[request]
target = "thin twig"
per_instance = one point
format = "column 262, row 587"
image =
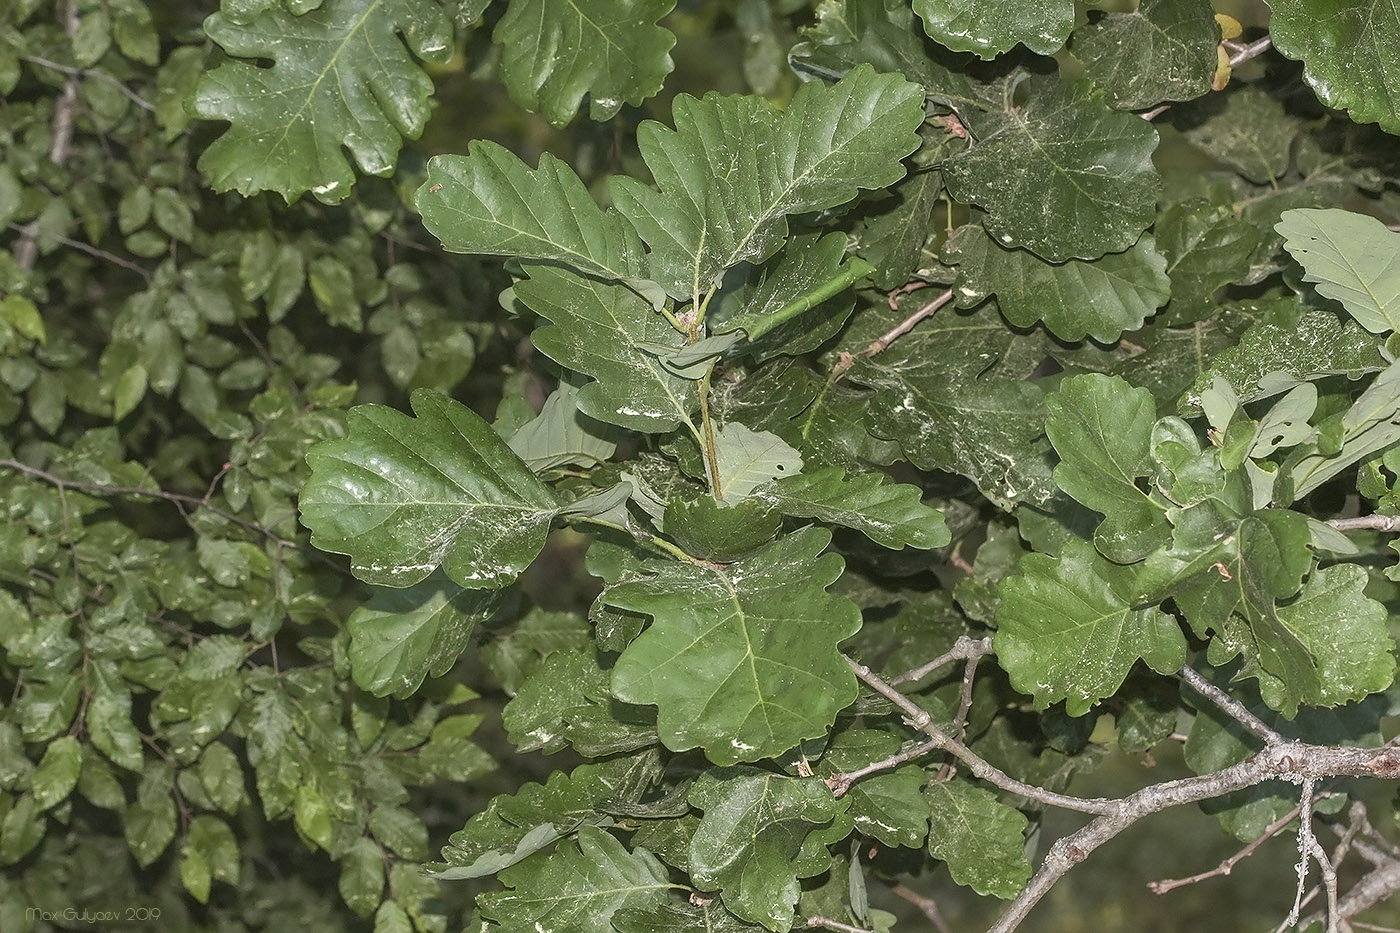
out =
column 1367, row 523
column 1243, row 53
column 177, row 498
column 1306, row 841
column 927, row 905
column 965, row 699
column 964, row 649
column 83, row 247
column 1228, row 704
column 1228, row 865
column 826, row 923
column 841, row 782
column 131, row 95
column 919, row 718
column 846, row 360
column 27, row 248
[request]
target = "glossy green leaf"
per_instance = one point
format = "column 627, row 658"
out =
column 577, row 888
column 1068, row 629
column 1100, row 299
column 740, row 660
column 1345, row 632
column 702, row 917
column 1061, row 174
column 1350, row 54
column 979, row 837
column 403, row 496
column 341, row 77
column 1353, row 258
column 990, row 28
column 610, row 50
column 733, row 168
column 600, row 329
column 721, row 531
column 1101, row 428
column 490, row 202
column 1162, row 51
column 891, row 514
column 57, row 774
column 403, row 635
column 361, row 880
column 749, row 838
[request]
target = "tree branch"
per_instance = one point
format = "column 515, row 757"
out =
column 1228, row 865
column 964, row 649
column 1367, row 523
column 1289, row 760
column 927, row 906
column 1234, row 708
column 919, row 718
column 841, row 782
column 846, row 360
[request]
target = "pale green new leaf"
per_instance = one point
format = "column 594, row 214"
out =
column 403, row 635
column 1062, row 174
column 1350, row 54
column 490, row 202
column 740, row 660
column 980, row 838
column 1067, row 629
column 733, row 168
column 576, row 888
column 600, row 329
column 403, row 496
column 610, row 50
column 1102, row 429
column 1371, row 424
column 748, row 841
column 341, row 77
column 891, row 514
column 1353, row 258
column 747, row 459
column 1100, row 299
column 562, row 435
column 1163, row 50
column 991, row 27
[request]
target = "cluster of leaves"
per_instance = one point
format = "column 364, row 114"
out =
column 1159, row 359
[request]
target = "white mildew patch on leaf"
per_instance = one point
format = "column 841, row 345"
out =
column 404, row 495
column 740, row 660
column 341, row 76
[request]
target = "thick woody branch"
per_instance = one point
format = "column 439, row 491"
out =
column 1367, row 523
column 1296, row 761
column 61, row 138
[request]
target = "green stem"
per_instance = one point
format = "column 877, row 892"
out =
column 711, row 458
column 854, row 271
column 655, row 541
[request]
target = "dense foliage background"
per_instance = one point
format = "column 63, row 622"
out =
column 964, row 416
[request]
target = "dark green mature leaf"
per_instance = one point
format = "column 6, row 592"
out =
column 1350, row 54
column 403, row 635
column 404, row 495
column 1100, row 299
column 1163, row 50
column 1345, row 632
column 490, row 202
column 1061, row 174
column 703, row 917
column 1207, row 247
column 341, row 77
column 721, row 531
column 748, row 841
column 1102, row 429
column 893, row 239
column 577, row 888
column 599, row 329
column 940, row 399
column 610, row 50
column 740, row 660
column 1291, row 344
column 1067, row 629
column 1247, row 130
column 891, row 514
column 733, row 169
column 991, row 27
column 979, row 837
column 57, row 774
column 1353, row 258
